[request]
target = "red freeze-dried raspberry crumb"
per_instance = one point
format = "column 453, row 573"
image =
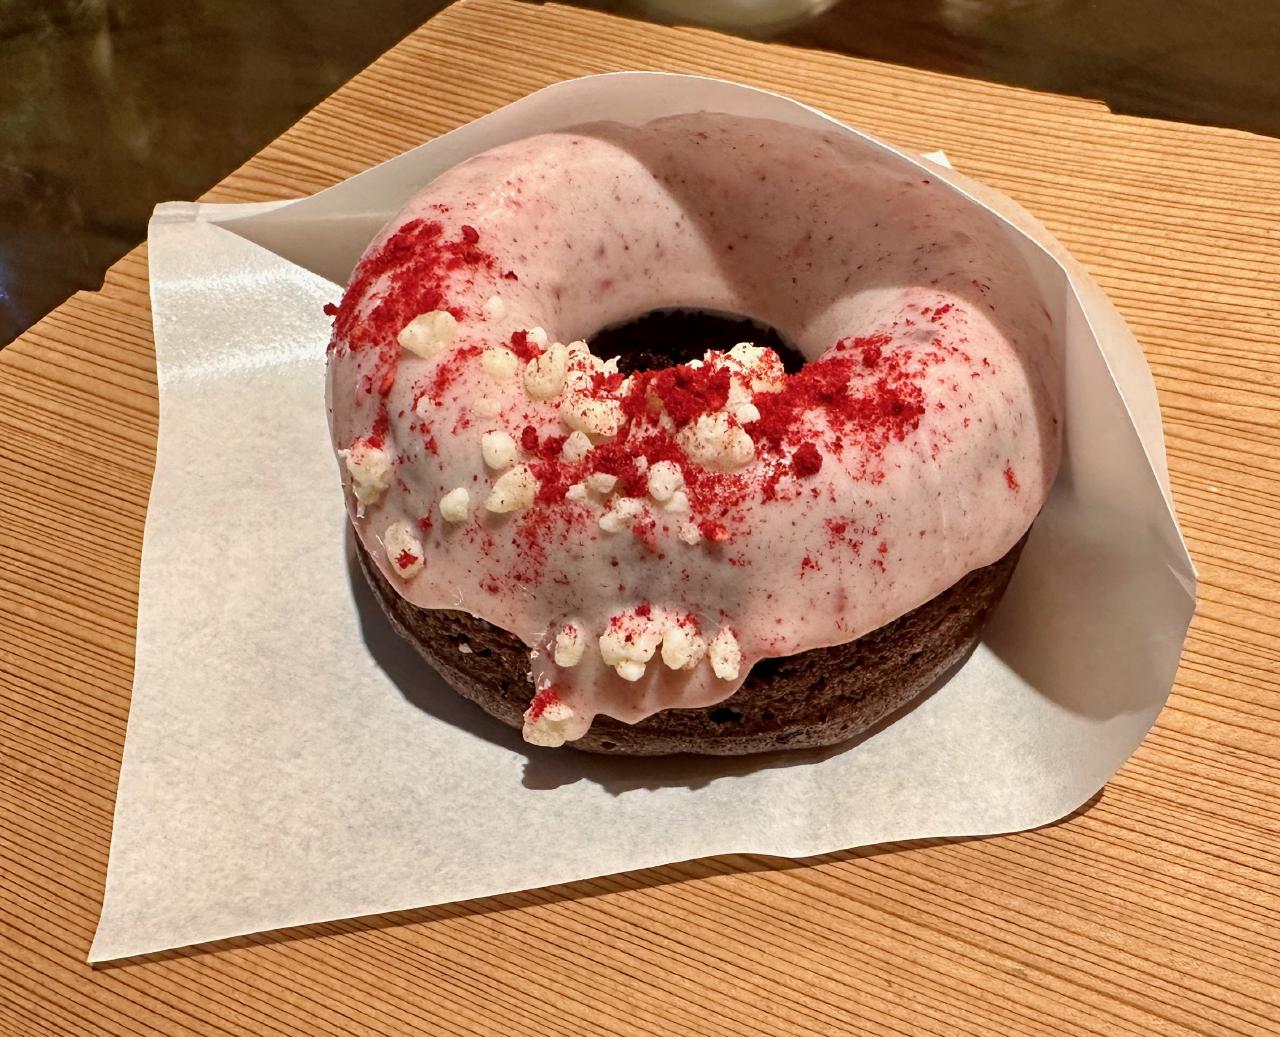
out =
column 1010, row 478
column 330, row 309
column 510, row 275
column 447, row 373
column 542, row 701
column 886, row 410
column 418, row 264
column 529, row 439
column 806, row 460
column 522, row 347
column 470, row 235
column 406, row 558
column 689, row 392
column 716, row 532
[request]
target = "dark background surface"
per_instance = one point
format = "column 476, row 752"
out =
column 110, row 106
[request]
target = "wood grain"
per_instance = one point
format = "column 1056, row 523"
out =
column 1155, row 910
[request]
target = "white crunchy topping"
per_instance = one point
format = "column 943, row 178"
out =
column 370, row 471
column 665, row 479
column 715, row 441
column 550, row 727
column 576, row 492
column 746, row 413
column 678, row 503
column 689, row 533
column 576, row 447
column 570, row 644
column 629, row 644
column 726, row 656
column 484, row 408
column 465, row 649
column 597, row 417
column 620, row 514
column 428, row 333
column 544, row 374
column 585, row 408
column 760, row 367
column 499, row 363
column 404, row 550
column 682, row 648
column 538, row 337
column 456, row 504
column 601, row 482
column 498, row 449
column 514, row 490
column 494, row 308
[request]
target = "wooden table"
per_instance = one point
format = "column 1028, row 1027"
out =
column 1154, row 910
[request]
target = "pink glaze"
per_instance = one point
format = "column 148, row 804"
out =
column 918, row 444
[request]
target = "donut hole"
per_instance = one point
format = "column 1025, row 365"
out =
column 666, row 337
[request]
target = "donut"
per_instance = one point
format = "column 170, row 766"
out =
column 610, row 534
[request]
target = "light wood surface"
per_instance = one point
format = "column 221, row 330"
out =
column 1155, row 910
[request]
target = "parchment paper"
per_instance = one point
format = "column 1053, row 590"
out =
column 289, row 760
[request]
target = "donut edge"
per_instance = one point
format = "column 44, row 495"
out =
column 818, row 698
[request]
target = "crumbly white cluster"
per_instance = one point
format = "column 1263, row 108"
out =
column 499, row 363
column 682, row 646
column 494, row 308
column 582, row 407
column 629, row 643
column 404, row 550
column 428, row 334
column 726, row 655
column 498, row 450
column 570, row 645
column 752, row 369
column 631, row 640
column 547, row 724
column 514, row 490
column 689, row 533
column 621, row 512
column 455, row 505
column 369, row 468
column 664, row 481
column 544, row 375
column 576, row 447
column 717, row 440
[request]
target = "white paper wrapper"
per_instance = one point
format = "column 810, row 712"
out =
column 289, row 760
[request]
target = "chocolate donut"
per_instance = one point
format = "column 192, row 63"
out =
column 715, row 548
